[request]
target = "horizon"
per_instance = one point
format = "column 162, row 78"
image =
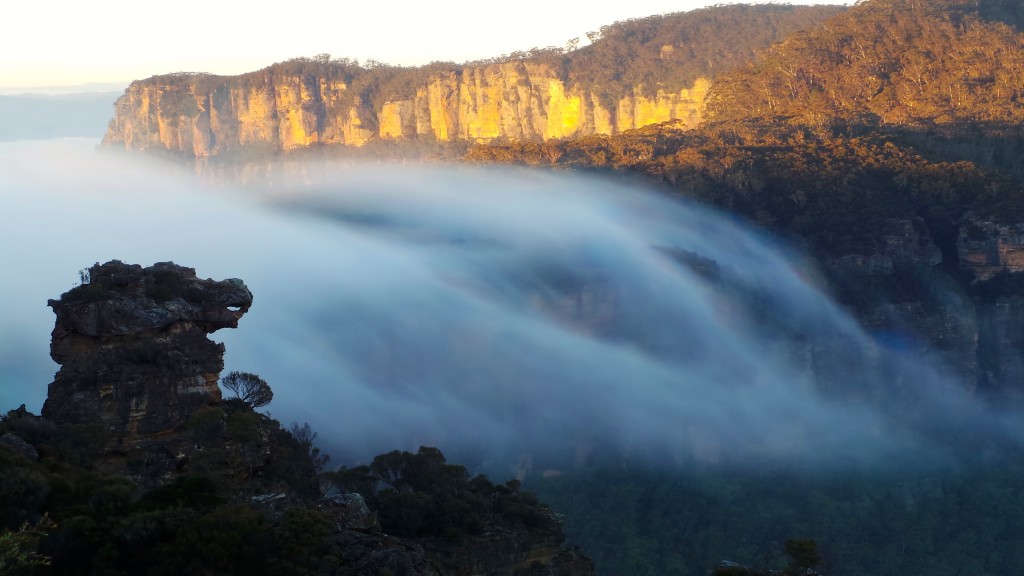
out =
column 74, row 55
column 65, row 90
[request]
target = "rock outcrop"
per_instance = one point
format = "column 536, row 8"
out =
column 139, row 381
column 134, row 355
column 962, row 305
column 274, row 110
column 15, row 443
column 991, row 257
column 985, row 248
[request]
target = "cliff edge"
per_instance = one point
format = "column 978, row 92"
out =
column 634, row 73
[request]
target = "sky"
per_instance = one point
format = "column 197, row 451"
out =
column 70, row 42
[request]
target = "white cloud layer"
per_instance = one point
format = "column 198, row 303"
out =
column 490, row 312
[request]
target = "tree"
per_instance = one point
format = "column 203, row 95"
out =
column 18, row 549
column 249, row 388
column 306, row 437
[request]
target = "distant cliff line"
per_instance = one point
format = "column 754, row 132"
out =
column 284, row 111
column 634, row 74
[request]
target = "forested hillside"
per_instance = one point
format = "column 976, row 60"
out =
column 892, row 109
column 671, row 51
column 831, row 191
column 889, row 62
column 884, row 142
column 647, row 522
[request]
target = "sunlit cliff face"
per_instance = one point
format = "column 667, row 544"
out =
column 499, row 313
column 514, row 100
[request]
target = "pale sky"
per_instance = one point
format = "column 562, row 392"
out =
column 70, row 42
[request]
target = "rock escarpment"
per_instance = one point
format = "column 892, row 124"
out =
column 986, row 249
column 134, row 355
column 635, row 73
column 957, row 298
column 991, row 256
column 279, row 109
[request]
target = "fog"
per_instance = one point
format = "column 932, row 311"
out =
column 46, row 116
column 497, row 314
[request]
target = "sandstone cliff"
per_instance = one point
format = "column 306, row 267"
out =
column 277, row 109
column 964, row 304
column 635, row 73
column 991, row 256
column 133, row 349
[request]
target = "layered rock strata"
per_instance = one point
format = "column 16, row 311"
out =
column 274, row 110
column 132, row 346
column 957, row 299
column 991, row 256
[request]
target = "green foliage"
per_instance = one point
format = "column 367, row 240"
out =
column 244, row 427
column 302, row 543
column 671, row 51
column 425, row 497
column 18, row 549
column 359, row 479
column 888, row 62
column 633, row 520
column 191, row 524
column 831, row 190
column 803, row 556
column 82, row 441
column 185, row 526
column 895, row 109
column 230, row 539
column 207, row 425
column 24, row 490
column 306, row 438
column 384, row 83
column 27, row 426
column 86, row 293
column 294, row 465
column 197, row 492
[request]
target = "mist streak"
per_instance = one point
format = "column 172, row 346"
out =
column 498, row 313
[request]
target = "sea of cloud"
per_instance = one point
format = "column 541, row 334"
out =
column 500, row 314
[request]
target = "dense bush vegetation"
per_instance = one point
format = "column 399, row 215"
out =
column 63, row 515
column 832, row 190
column 889, row 62
column 644, row 521
column 422, row 496
column 671, row 51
